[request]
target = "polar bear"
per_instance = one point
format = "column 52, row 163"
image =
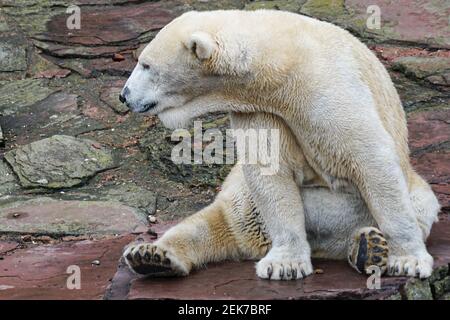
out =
column 345, row 187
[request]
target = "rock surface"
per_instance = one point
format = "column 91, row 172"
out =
column 434, row 69
column 237, row 280
column 41, row 272
column 158, row 145
column 59, row 162
column 13, row 55
column 60, row 114
column 8, row 181
column 21, row 93
column 128, row 194
column 110, row 97
column 59, row 218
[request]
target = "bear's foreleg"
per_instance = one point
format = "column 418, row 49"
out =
column 201, row 238
column 278, row 200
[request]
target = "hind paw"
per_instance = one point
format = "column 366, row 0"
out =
column 413, row 266
column 153, row 259
column 368, row 248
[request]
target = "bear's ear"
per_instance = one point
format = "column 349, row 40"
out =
column 202, row 45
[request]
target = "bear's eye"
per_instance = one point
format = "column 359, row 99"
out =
column 145, row 66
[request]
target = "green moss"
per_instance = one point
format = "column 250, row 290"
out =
column 285, row 5
column 324, row 9
column 416, row 289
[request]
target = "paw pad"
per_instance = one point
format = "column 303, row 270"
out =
column 150, row 259
column 368, row 248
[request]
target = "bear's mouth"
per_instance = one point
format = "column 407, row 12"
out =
column 148, row 107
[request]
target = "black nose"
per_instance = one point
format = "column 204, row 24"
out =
column 123, row 95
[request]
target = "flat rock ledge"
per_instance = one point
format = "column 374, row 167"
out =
column 59, row 162
column 57, row 218
column 39, row 271
column 333, row 280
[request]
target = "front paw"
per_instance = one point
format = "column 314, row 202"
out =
column 153, row 259
column 420, row 265
column 285, row 268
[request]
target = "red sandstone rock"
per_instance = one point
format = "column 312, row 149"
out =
column 428, row 128
column 435, row 168
column 237, row 280
column 118, row 57
column 108, row 26
column 41, row 272
column 49, row 74
column 418, row 21
column 7, row 246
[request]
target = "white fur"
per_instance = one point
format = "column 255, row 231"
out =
column 202, row 44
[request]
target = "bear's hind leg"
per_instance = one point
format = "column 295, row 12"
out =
column 201, row 238
column 368, row 248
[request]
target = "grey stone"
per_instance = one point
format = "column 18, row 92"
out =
column 445, row 297
column 439, row 273
column 59, row 113
column 441, row 287
column 111, row 97
column 59, row 161
column 47, row 216
column 129, row 194
column 416, row 289
column 395, row 296
column 13, row 55
column 8, row 181
column 434, row 69
column 133, row 196
column 18, row 94
column 3, row 24
column 158, row 146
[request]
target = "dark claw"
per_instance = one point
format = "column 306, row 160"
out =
column 129, row 257
column 167, row 261
column 157, row 258
column 303, row 273
column 397, row 269
column 294, row 273
column 269, row 271
column 406, row 270
column 137, row 257
column 390, row 270
column 288, row 273
column 281, row 272
column 147, row 256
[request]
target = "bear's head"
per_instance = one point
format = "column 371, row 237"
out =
column 192, row 67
